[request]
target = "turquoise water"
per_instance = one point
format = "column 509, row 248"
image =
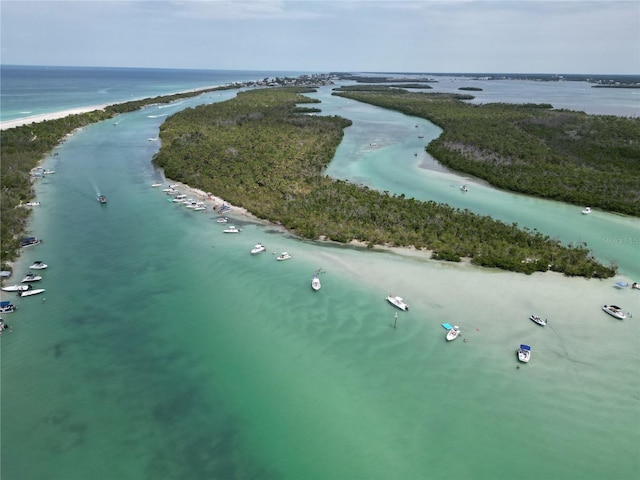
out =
column 165, row 350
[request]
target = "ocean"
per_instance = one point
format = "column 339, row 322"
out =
column 163, row 349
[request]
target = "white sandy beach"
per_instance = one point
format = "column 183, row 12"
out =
column 49, row 116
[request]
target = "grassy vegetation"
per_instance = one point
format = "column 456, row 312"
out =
column 556, row 154
column 260, row 151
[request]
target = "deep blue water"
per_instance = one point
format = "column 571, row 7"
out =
column 33, row 90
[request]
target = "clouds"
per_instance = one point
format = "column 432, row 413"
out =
column 546, row 36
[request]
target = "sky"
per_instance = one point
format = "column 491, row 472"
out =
column 433, row 36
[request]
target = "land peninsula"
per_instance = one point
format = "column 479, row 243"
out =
column 264, row 152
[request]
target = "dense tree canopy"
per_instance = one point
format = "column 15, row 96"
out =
column 261, row 151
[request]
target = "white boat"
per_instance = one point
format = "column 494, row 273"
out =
column 38, row 265
column 7, row 307
column 538, row 320
column 15, row 288
column 258, row 248
column 156, row 184
column 231, row 229
column 32, row 204
column 453, row 333
column 222, row 220
column 524, row 353
column 34, row 291
column 283, row 256
column 586, row 211
column 397, row 302
column 102, row 199
column 29, row 241
column 635, row 285
column 614, row 311
column 31, row 277
column 315, row 282
column 464, row 188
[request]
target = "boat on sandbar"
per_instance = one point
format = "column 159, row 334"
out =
column 524, row 353
column 538, row 320
column 222, row 220
column 614, row 311
column 586, row 211
column 397, row 302
column 453, row 333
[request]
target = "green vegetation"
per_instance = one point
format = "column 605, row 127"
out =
column 556, row 154
column 260, row 152
column 22, row 148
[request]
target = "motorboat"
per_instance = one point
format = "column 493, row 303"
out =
column 524, row 353
column 32, row 291
column 614, row 311
column 586, row 211
column 32, row 204
column 15, row 288
column 3, row 327
column 156, row 184
column 315, row 282
column 31, row 277
column 222, row 220
column 231, row 229
column 7, row 307
column 38, row 265
column 283, row 256
column 464, row 188
column 538, row 320
column 258, row 248
column 102, row 199
column 29, row 241
column 453, row 333
column 397, row 302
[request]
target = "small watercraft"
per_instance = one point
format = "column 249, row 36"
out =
column 283, row 256
column 7, row 307
column 315, row 282
column 102, row 199
column 15, row 288
column 33, row 291
column 397, row 302
column 614, row 311
column 524, row 353
column 31, row 277
column 231, row 229
column 453, row 333
column 538, row 320
column 38, row 265
column 586, row 211
column 258, row 248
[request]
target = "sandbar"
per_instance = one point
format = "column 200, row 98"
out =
column 18, row 122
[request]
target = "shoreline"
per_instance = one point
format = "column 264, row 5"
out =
column 43, row 117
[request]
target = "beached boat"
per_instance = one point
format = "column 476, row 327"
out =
column 33, row 291
column 283, row 256
column 102, row 199
column 15, row 288
column 258, row 248
column 29, row 241
column 32, row 204
column 31, row 277
column 315, row 282
column 397, row 302
column 453, row 333
column 38, row 265
column 524, row 353
column 7, row 307
column 538, row 320
column 586, row 211
column 614, row 311
column 231, row 229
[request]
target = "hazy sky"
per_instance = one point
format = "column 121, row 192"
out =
column 536, row 36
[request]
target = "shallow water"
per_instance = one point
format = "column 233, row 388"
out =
column 165, row 350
